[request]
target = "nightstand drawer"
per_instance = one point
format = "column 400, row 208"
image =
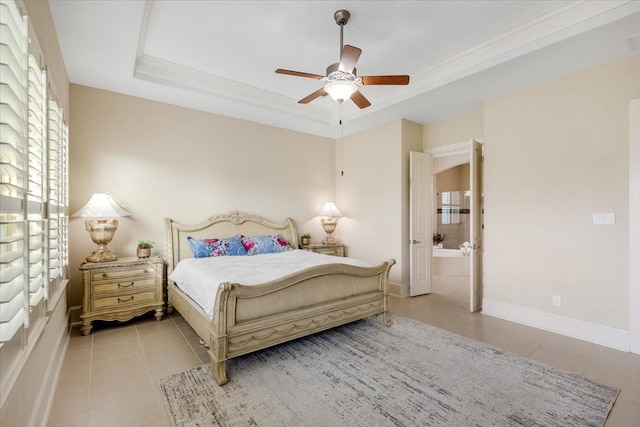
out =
column 334, row 249
column 126, row 284
column 331, row 251
column 123, row 300
column 120, row 273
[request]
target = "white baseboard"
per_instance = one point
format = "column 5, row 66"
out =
column 74, row 314
column 54, row 372
column 399, row 289
column 592, row 332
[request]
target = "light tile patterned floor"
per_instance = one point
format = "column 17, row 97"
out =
column 110, row 377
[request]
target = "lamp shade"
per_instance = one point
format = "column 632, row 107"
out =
column 339, row 90
column 101, row 205
column 330, row 210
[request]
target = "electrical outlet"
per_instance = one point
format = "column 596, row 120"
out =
column 556, row 301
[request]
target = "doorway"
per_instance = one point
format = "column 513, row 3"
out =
column 456, row 194
column 451, row 227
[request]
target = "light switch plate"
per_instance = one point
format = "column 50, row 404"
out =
column 604, row 219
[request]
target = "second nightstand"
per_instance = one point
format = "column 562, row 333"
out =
column 336, row 249
column 121, row 289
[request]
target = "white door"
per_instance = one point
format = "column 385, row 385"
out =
column 475, row 176
column 420, row 235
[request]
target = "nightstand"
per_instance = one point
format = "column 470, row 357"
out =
column 121, row 289
column 336, row 249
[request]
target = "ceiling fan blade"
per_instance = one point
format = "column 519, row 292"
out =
column 299, row 74
column 359, row 99
column 350, row 55
column 385, row 80
column 313, row 96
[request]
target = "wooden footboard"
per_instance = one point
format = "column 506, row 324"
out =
column 250, row 318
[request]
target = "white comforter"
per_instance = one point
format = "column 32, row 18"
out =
column 199, row 277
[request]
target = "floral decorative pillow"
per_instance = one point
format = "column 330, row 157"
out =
column 204, row 248
column 256, row 245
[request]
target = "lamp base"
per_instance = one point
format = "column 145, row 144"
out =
column 328, row 240
column 329, row 226
column 101, row 232
column 102, row 256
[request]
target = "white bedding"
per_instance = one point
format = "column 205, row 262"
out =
column 199, row 277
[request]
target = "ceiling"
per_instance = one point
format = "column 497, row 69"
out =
column 220, row 56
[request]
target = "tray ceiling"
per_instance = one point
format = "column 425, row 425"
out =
column 220, row 56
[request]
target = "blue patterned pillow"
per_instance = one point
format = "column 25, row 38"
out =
column 255, row 245
column 216, row 247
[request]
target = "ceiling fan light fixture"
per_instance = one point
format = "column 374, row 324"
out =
column 340, row 90
column 342, row 78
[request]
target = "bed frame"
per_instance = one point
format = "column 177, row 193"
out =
column 250, row 318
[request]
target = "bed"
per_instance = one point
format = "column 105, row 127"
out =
column 250, row 318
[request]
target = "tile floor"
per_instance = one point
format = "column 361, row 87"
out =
column 110, row 378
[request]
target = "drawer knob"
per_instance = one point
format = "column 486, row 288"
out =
column 104, row 275
column 127, row 285
column 125, row 300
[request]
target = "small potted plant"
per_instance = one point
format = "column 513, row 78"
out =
column 144, row 248
column 305, row 239
column 438, row 238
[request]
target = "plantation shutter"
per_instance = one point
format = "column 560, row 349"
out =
column 56, row 193
column 36, row 195
column 64, row 186
column 13, row 171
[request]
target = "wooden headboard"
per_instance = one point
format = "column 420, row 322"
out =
column 221, row 226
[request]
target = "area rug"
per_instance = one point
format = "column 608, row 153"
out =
column 367, row 374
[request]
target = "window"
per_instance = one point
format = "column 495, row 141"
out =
column 450, row 207
column 33, row 194
column 14, row 304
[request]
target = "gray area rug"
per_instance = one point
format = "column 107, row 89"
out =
column 367, row 374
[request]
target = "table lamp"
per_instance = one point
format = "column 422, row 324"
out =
column 100, row 211
column 329, row 220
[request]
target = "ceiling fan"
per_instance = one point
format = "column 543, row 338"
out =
column 342, row 80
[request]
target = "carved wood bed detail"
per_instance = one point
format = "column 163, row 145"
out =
column 250, row 318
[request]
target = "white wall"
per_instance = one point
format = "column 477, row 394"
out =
column 163, row 161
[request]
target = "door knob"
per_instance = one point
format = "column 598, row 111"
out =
column 415, row 241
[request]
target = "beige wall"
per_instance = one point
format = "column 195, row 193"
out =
column 454, row 130
column 373, row 193
column 453, row 179
column 163, row 161
column 554, row 155
column 368, row 194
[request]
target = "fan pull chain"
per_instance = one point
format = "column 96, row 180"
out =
column 341, row 141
